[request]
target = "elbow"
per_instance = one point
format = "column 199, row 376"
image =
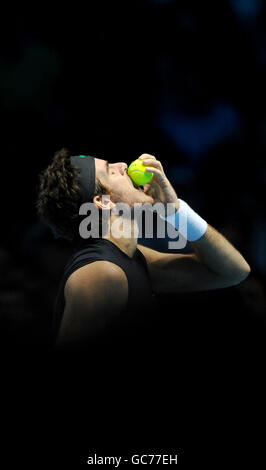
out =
column 242, row 276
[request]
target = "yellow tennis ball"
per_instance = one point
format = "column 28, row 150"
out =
column 137, row 172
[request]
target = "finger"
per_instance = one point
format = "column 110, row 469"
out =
column 147, row 189
column 156, row 163
column 146, row 186
column 147, row 155
column 156, row 171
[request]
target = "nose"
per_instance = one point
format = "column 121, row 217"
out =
column 122, row 167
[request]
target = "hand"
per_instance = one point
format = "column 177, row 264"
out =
column 160, row 188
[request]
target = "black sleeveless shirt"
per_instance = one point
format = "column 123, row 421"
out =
column 138, row 316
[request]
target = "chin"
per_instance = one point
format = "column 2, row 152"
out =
column 144, row 198
column 138, row 196
column 148, row 199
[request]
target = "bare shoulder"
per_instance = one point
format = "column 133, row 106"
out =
column 94, row 277
column 93, row 294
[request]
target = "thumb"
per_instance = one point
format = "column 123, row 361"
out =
column 147, row 188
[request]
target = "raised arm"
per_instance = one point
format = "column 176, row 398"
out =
column 215, row 264
column 93, row 294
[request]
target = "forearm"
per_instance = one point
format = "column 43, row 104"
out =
column 212, row 250
column 219, row 255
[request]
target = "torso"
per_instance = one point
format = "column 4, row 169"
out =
column 135, row 319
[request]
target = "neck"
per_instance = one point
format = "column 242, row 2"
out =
column 124, row 234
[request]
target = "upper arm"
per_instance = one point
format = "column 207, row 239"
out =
column 173, row 272
column 93, row 294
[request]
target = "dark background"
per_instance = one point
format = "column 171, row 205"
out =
column 183, row 81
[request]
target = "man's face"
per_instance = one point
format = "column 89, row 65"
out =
column 120, row 187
